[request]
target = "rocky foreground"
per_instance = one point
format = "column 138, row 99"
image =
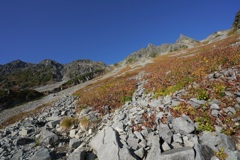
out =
column 145, row 128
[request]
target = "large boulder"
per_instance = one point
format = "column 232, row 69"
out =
column 185, row 153
column 203, row 152
column 74, row 143
column 80, row 155
column 155, row 151
column 42, row 154
column 107, row 146
column 183, row 125
column 48, row 137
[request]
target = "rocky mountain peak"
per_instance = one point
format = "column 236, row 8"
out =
column 236, row 23
column 185, row 40
column 17, row 63
column 13, row 66
column 150, row 45
column 48, row 62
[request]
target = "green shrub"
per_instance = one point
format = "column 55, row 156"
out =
column 126, row 99
column 204, row 123
column 221, row 154
column 202, row 94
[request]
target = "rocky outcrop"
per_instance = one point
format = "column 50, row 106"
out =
column 236, row 22
column 182, row 42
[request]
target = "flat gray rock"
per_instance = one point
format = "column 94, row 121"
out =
column 154, row 152
column 107, row 147
column 80, row 155
column 228, row 142
column 185, row 153
column 42, row 154
column 166, row 134
column 214, row 107
column 210, row 140
column 48, row 137
column 17, row 155
column 74, row 143
column 203, row 152
column 183, row 125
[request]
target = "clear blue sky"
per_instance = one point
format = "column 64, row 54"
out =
column 103, row 30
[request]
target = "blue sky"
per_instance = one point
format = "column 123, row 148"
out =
column 103, row 30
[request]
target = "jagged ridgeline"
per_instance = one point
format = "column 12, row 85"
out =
column 18, row 79
column 152, row 51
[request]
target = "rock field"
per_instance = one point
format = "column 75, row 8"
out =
column 144, row 128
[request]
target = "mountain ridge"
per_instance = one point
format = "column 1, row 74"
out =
column 50, row 70
column 151, row 50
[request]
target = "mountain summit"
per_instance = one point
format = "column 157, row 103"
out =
column 182, row 42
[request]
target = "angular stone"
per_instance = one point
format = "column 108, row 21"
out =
column 203, row 152
column 118, row 126
column 72, row 133
column 166, row 134
column 165, row 146
column 52, row 124
column 176, row 145
column 24, row 132
column 210, row 140
column 188, row 143
column 140, row 153
column 42, row 154
column 215, row 113
column 54, row 118
column 185, row 153
column 237, row 94
column 154, row 152
column 74, row 143
column 228, row 142
column 106, row 145
column 194, row 102
column 124, row 153
column 133, row 143
column 177, row 138
column 214, row 107
column 238, row 99
column 232, row 155
column 48, row 137
column 80, row 155
column 155, row 103
column 17, row 155
column 183, row 125
column 138, row 135
column 232, row 110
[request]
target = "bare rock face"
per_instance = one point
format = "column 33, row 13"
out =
column 152, row 50
column 236, row 23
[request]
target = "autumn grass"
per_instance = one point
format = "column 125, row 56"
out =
column 23, row 115
column 68, row 122
column 169, row 74
column 112, row 92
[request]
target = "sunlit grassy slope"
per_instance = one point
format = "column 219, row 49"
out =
column 167, row 74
